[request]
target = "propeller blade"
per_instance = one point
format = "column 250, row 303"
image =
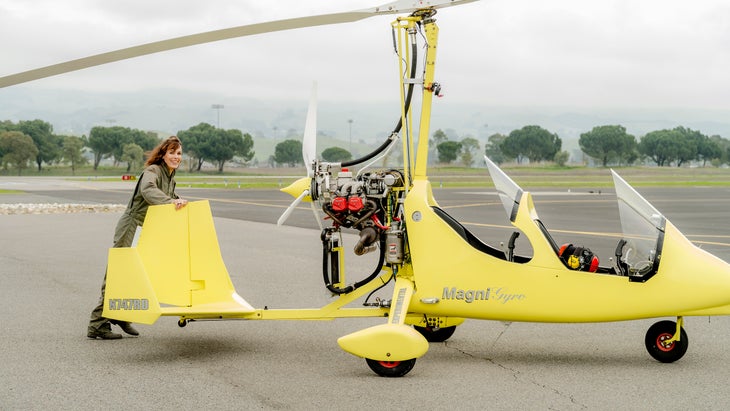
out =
column 401, row 6
column 309, row 143
column 316, row 215
column 290, row 209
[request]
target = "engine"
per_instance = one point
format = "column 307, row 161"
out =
column 368, row 202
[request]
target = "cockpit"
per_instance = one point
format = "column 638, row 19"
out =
column 638, row 252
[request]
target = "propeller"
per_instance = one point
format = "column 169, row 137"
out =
column 301, row 188
column 400, row 6
column 309, row 143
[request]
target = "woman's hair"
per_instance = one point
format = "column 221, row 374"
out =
column 157, row 153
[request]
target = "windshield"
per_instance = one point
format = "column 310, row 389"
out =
column 509, row 192
column 642, row 226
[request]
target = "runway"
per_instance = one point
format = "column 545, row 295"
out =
column 52, row 267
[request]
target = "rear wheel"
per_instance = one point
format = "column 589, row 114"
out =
column 663, row 351
column 391, row 368
column 436, row 334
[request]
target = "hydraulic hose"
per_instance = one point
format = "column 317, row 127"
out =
column 396, row 130
column 326, row 254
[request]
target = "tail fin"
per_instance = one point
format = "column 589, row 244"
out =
column 177, row 262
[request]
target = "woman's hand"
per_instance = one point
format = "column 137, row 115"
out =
column 179, row 203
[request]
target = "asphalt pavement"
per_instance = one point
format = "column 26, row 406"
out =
column 51, row 267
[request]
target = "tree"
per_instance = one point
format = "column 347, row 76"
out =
column 101, row 141
column 145, row 139
column 133, row 155
column 438, row 137
column 561, row 158
column 608, row 144
column 723, row 145
column 679, row 145
column 71, row 152
column 18, row 149
column 336, row 154
column 194, row 141
column 288, row 152
column 697, row 146
column 125, row 135
column 227, row 144
column 205, row 142
column 448, row 151
column 492, row 148
column 42, row 134
column 247, row 153
column 532, row 142
column 661, row 146
column 469, row 146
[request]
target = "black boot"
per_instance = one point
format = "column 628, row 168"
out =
column 126, row 327
column 103, row 334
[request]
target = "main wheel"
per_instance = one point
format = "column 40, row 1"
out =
column 661, row 351
column 391, row 368
column 436, row 334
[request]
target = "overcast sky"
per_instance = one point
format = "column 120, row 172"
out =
column 601, row 53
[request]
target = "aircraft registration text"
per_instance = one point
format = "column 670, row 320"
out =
column 129, row 304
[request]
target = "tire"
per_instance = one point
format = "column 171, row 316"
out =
column 661, row 331
column 435, row 334
column 391, row 369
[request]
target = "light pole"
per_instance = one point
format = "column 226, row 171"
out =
column 218, row 108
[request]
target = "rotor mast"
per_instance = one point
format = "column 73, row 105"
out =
column 429, row 89
column 415, row 162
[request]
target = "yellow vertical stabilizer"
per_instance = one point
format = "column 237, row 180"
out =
column 177, row 263
column 129, row 294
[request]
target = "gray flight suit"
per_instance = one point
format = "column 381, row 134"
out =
column 156, row 185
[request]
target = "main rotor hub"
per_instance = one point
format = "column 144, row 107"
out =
column 424, row 13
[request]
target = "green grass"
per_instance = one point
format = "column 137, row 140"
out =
column 529, row 177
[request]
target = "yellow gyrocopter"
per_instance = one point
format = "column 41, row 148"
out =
column 441, row 274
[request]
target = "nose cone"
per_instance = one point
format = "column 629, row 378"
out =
column 694, row 278
column 296, row 188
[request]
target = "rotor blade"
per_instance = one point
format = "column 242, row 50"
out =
column 179, row 42
column 217, row 35
column 309, row 143
column 290, row 209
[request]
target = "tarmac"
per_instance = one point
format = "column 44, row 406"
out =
column 52, row 265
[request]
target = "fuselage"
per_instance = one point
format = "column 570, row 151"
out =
column 453, row 278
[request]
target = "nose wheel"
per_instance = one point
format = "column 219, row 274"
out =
column 663, row 343
column 391, row 368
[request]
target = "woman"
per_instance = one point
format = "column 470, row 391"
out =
column 156, row 185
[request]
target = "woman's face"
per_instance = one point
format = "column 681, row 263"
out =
column 173, row 157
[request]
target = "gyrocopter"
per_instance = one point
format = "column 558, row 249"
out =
column 440, row 273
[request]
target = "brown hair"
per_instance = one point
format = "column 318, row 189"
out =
column 157, row 153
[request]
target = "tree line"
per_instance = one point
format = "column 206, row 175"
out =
column 606, row 145
column 33, row 141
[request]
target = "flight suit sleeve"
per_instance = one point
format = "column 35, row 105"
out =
column 150, row 189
